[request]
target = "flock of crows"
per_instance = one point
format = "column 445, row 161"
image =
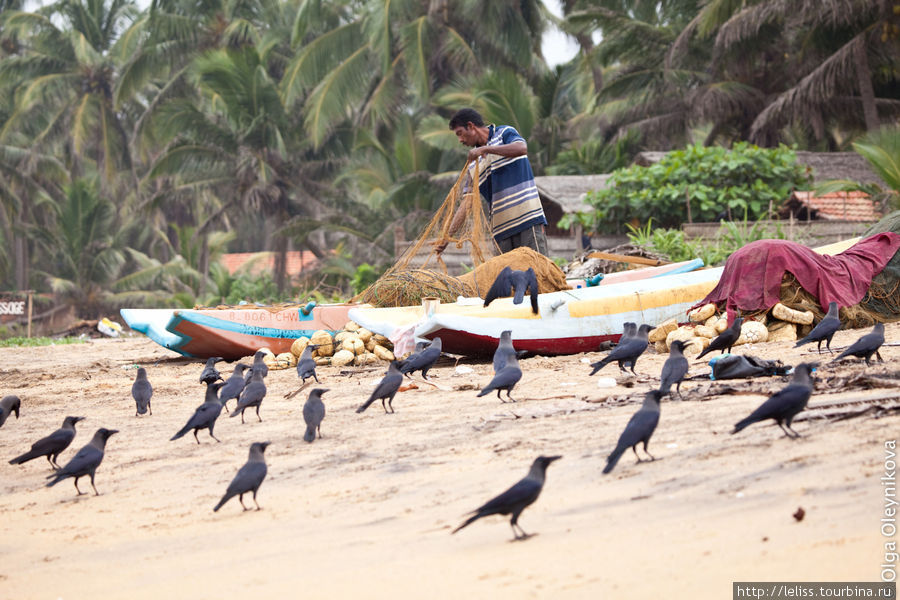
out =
column 246, row 385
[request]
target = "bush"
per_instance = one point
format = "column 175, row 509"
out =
column 739, row 183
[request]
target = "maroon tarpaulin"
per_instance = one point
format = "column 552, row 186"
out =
column 751, row 279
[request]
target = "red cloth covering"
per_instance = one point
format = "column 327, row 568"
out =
column 751, row 279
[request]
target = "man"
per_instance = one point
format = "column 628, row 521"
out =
column 506, row 183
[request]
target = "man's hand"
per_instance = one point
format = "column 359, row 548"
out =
column 439, row 247
column 477, row 152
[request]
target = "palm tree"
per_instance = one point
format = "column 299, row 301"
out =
column 64, row 76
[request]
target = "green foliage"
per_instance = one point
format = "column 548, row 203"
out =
column 673, row 244
column 365, row 276
column 18, row 342
column 744, row 182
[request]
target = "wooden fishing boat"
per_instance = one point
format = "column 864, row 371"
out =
column 235, row 332
column 568, row 322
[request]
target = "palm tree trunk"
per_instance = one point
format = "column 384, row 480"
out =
column 21, row 261
column 280, row 266
column 204, row 264
column 866, row 90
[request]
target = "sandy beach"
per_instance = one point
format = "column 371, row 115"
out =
column 367, row 511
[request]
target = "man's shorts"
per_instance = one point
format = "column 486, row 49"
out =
column 533, row 237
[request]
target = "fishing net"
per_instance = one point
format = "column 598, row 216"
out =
column 417, row 274
column 881, row 303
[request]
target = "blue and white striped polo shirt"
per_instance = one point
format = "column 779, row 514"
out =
column 508, row 186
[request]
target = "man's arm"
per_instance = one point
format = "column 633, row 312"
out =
column 510, row 150
column 458, row 219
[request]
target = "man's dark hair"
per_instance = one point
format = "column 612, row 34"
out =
column 464, row 116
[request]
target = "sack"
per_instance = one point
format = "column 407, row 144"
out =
column 739, row 366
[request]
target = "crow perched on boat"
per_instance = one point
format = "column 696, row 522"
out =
column 517, row 498
column 52, row 445
column 785, row 404
column 86, row 461
column 866, row 346
column 249, row 477
column 306, row 365
column 141, row 391
column 422, row 361
column 205, row 415
column 724, row 340
column 509, row 279
column 9, row 405
column 674, row 369
column 825, row 330
column 313, row 413
column 386, row 388
column 639, row 429
column 627, row 352
column 210, row 373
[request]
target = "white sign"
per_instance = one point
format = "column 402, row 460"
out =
column 12, row 308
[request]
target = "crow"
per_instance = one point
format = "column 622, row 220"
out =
column 8, row 405
column 504, row 350
column 825, row 330
column 141, row 391
column 505, row 379
column 639, row 429
column 386, row 388
column 785, row 404
column 866, row 346
column 210, row 373
column 626, row 352
column 258, row 365
column 724, row 340
column 306, row 365
column 509, row 279
column 517, row 498
column 674, row 369
column 423, row 360
column 52, row 445
column 313, row 413
column 86, row 461
column 205, row 415
column 248, row 478
column 234, row 385
column 252, row 395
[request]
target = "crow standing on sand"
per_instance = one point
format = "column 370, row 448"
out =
column 313, row 413
column 205, row 415
column 505, row 379
column 509, row 279
column 423, row 360
column 248, row 478
column 629, row 330
column 9, row 405
column 640, row 428
column 866, row 346
column 724, row 340
column 258, row 365
column 627, row 352
column 674, row 369
column 252, row 395
column 517, row 498
column 306, row 365
column 386, row 388
column 52, row 445
column 504, row 350
column 785, row 404
column 141, row 391
column 825, row 330
column 85, row 462
column 210, row 373
column 233, row 386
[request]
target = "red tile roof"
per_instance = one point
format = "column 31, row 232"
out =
column 836, row 206
column 255, row 263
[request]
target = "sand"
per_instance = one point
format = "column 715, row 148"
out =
column 366, row 512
